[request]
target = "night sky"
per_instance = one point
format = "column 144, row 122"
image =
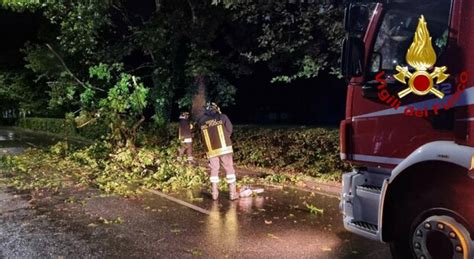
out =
column 317, row 101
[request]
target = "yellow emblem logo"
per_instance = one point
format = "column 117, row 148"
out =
column 422, row 57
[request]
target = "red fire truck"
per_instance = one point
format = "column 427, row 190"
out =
column 409, row 125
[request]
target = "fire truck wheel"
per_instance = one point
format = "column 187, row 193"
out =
column 441, row 237
column 425, row 194
column 435, row 234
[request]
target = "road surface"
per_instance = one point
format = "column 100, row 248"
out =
column 82, row 222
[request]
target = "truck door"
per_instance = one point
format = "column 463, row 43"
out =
column 381, row 133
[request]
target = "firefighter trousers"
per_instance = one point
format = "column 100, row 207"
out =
column 228, row 165
column 186, row 148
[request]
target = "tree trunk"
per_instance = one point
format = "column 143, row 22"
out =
column 199, row 98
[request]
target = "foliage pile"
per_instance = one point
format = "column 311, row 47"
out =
column 312, row 151
column 121, row 109
column 119, row 171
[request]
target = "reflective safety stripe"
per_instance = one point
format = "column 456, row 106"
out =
column 207, row 139
column 466, row 98
column 188, row 140
column 220, row 130
column 214, row 179
column 231, row 178
column 220, row 152
column 222, row 148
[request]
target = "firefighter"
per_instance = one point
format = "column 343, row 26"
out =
column 216, row 130
column 185, row 137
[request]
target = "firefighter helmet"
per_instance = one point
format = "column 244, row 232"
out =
column 211, row 106
column 184, row 115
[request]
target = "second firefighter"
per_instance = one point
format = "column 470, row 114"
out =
column 185, row 136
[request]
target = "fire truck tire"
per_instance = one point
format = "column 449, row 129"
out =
column 413, row 202
column 443, row 236
column 433, row 230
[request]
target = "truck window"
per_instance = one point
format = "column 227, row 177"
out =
column 398, row 27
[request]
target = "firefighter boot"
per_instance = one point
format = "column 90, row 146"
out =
column 233, row 195
column 215, row 191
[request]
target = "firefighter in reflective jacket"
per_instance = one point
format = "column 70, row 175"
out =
column 185, row 136
column 216, row 130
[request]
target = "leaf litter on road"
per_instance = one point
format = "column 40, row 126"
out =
column 270, row 235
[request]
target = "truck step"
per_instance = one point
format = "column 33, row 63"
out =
column 365, row 226
column 370, row 188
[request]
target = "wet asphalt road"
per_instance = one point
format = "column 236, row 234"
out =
column 83, row 223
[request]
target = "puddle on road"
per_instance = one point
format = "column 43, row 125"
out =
column 274, row 201
column 15, row 141
column 8, row 136
column 277, row 221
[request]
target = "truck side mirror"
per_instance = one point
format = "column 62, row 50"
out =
column 352, row 57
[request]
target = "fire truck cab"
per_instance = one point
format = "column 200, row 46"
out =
column 409, row 125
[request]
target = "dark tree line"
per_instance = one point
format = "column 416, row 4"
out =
column 128, row 61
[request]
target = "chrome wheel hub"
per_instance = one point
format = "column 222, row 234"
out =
column 442, row 237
